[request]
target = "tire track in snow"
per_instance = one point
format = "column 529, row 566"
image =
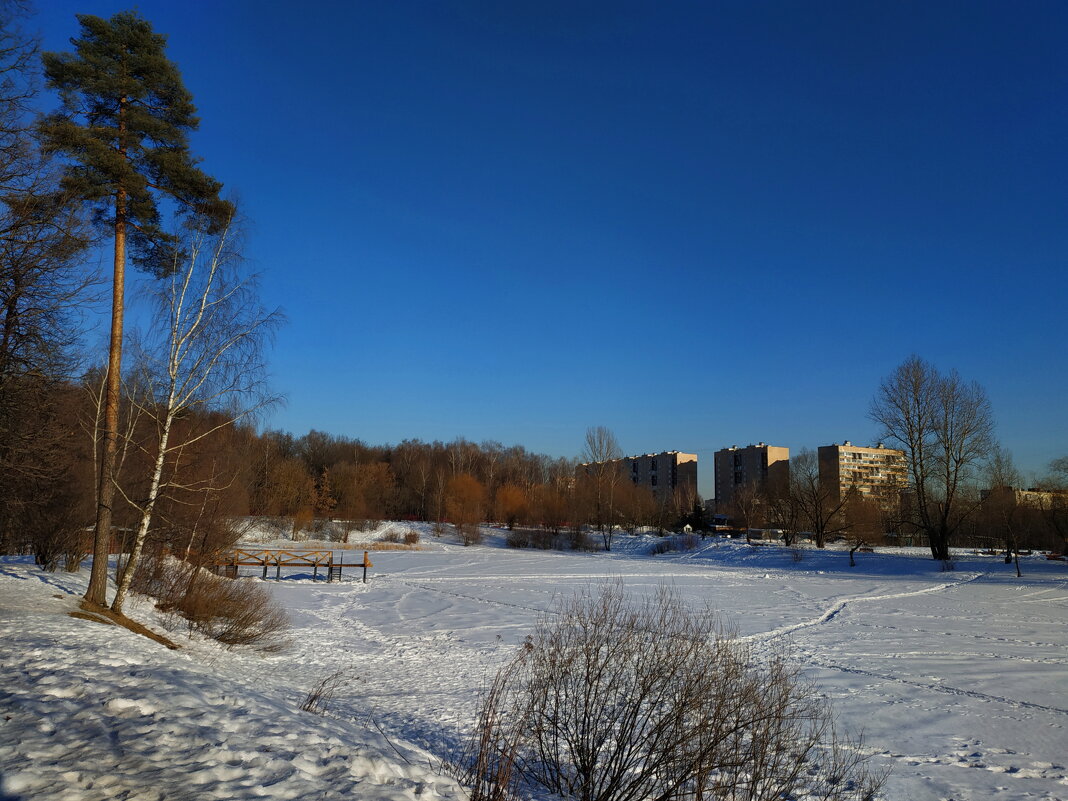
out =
column 421, row 586
column 832, row 612
column 974, row 654
column 941, row 688
column 587, row 577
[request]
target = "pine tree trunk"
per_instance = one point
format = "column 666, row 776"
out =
column 96, row 593
column 98, row 578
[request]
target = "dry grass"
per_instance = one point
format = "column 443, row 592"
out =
column 319, row 697
column 389, row 547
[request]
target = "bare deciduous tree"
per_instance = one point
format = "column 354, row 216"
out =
column 821, row 506
column 601, row 453
column 784, row 513
column 945, row 426
column 465, row 499
column 1000, row 509
column 510, row 504
column 747, row 507
column 1054, row 504
column 43, row 291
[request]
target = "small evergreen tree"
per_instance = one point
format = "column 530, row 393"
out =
column 123, row 127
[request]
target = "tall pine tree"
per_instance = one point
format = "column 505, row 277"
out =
column 123, row 127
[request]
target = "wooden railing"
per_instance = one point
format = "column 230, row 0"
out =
column 285, row 557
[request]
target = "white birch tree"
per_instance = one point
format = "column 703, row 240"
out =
column 204, row 353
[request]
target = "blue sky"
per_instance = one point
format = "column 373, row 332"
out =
column 698, row 224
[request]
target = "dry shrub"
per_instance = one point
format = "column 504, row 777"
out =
column 231, row 611
column 532, row 538
column 470, row 534
column 579, row 540
column 236, row 612
column 409, row 537
column 330, row 530
column 659, row 547
column 517, row 538
column 678, row 542
column 319, row 696
column 614, row 701
column 302, row 521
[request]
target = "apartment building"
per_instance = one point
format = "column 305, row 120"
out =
column 878, row 473
column 662, row 472
column 1033, row 497
column 765, row 467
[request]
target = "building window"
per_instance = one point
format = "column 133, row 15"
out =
column 652, row 465
column 652, row 480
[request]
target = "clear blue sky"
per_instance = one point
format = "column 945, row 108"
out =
column 697, row 224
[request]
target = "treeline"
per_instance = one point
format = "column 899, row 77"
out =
column 320, row 475
column 239, row 472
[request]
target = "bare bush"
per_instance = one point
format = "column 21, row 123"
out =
column 517, row 538
column 330, row 530
column 409, row 537
column 579, row 540
column 659, row 547
column 540, row 538
column 231, row 611
column 612, row 701
column 469, row 534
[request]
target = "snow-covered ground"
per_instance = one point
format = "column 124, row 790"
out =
column 959, row 680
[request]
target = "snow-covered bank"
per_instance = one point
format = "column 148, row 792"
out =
column 96, row 712
column 956, row 678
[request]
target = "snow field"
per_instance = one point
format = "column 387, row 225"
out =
column 957, row 679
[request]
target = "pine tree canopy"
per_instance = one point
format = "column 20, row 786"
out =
column 123, row 125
